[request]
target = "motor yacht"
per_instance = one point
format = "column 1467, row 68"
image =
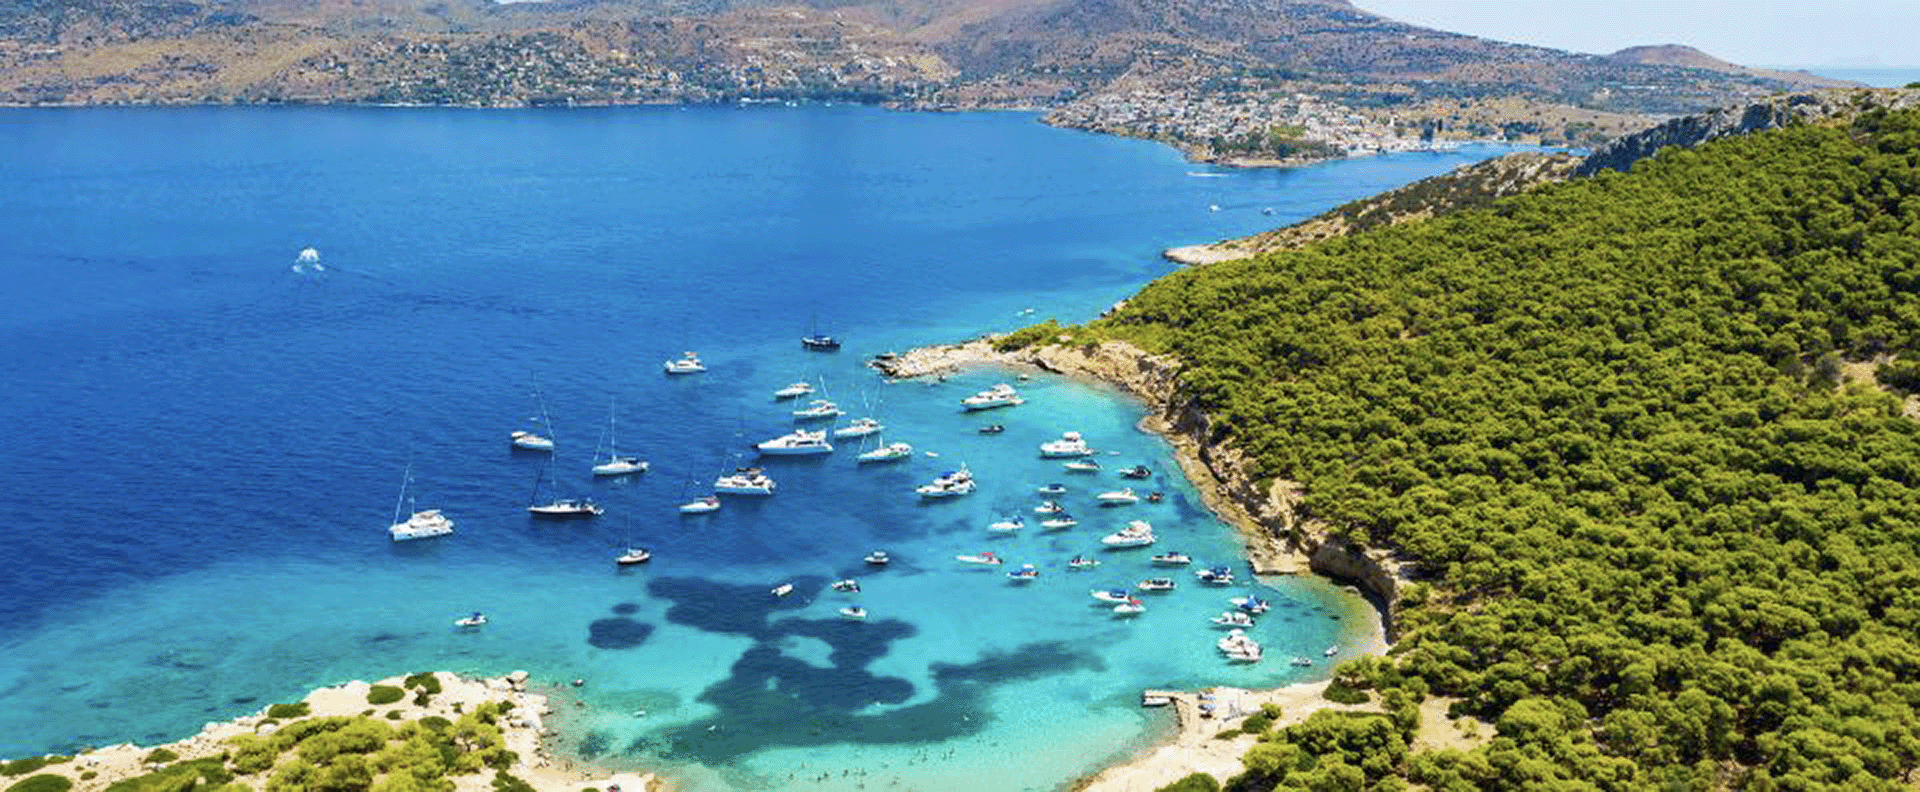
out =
column 1137, row 534
column 859, row 427
column 796, row 443
column 793, row 391
column 1070, row 444
column 951, row 484
column 886, row 453
column 744, row 481
column 1001, row 395
column 689, row 363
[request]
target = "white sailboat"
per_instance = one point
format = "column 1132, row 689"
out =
column 534, row 441
column 557, row 506
column 421, row 524
column 617, row 465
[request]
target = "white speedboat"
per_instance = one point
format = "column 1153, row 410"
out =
column 1173, row 558
column 1112, row 595
column 1250, row 604
column 1082, row 562
column 879, row 558
column 859, row 427
column 1083, row 466
column 1137, row 534
column 1070, row 444
column 1059, row 522
column 634, row 555
column 1237, row 646
column 951, row 484
column 1300, row 662
column 700, row 505
column 688, row 363
column 795, row 443
column 1137, row 472
column 1052, row 489
column 1050, row 507
column 793, row 391
column 854, row 613
column 986, row 559
column 1155, row 584
column 420, row 523
column 886, row 453
column 1123, row 497
column 744, row 481
column 1130, row 608
column 783, row 589
column 847, row 586
column 567, row 507
column 1233, row 618
column 531, row 442
column 1025, row 573
column 818, row 409
column 1218, row 576
column 474, row 620
column 1331, row 651
column 1001, row 395
column 1008, row 525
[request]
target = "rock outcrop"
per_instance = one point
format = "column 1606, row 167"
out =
column 1772, row 113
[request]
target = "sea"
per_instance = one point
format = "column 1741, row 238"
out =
column 210, row 434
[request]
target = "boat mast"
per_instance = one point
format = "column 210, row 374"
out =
column 406, row 481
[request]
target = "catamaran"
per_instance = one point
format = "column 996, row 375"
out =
column 421, row 524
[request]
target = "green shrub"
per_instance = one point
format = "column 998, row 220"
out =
column 393, row 714
column 1198, row 782
column 211, row 772
column 253, row 754
column 295, row 710
column 1227, row 734
column 384, row 694
column 42, row 783
column 1042, row 333
column 425, row 681
column 1343, row 694
column 30, row 764
column 504, row 782
column 161, row 756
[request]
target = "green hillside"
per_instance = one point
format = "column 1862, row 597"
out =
column 1665, row 540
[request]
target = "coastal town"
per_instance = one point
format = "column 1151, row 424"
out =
column 1241, row 128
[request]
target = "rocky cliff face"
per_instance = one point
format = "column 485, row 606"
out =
column 1771, row 113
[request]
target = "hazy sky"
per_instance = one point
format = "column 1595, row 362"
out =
column 1750, row 32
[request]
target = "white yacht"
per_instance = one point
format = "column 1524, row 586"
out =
column 1025, row 573
column 634, row 555
column 1155, row 584
column 1237, row 646
column 1001, row 395
column 1059, row 522
column 1173, row 558
column 1083, row 466
column 689, row 363
column 1070, row 444
column 797, row 442
column 1137, row 534
column 887, row 453
column 859, row 427
column 1112, row 595
column 1131, row 607
column 566, row 507
column 477, row 619
column 701, row 505
column 853, row 613
column 1124, row 497
column 1233, row 618
column 1250, row 604
column 783, row 589
column 744, row 481
column 953, row 483
column 1052, row 489
column 1050, row 507
column 1008, row 525
column 421, row 524
column 818, row 409
column 530, row 441
column 1218, row 576
column 793, row 391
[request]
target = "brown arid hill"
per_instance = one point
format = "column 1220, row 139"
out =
column 1687, row 57
column 1402, row 80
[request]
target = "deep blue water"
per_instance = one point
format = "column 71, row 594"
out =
column 208, row 443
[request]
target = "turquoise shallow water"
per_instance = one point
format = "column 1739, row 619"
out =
column 199, row 527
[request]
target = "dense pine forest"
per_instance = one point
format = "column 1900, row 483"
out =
column 1664, row 519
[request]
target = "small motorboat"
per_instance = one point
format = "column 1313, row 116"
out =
column 1136, row 472
column 818, row 409
column 1112, row 595
column 1082, row 562
column 1070, row 444
column 1172, row 558
column 1250, row 604
column 994, row 429
column 1300, row 662
column 783, row 589
column 1156, row 497
column 1155, row 584
column 1331, row 651
column 744, row 481
column 1052, row 489
column 984, row 559
column 531, row 441
column 1050, row 507
column 793, row 391
column 1025, row 573
column 701, row 505
column 1059, row 522
column 1123, row 497
column 1001, row 395
column 853, row 612
column 859, row 427
column 1218, row 576
column 1130, row 608
column 1083, row 466
column 1008, row 525
column 886, row 453
column 820, row 342
column 634, row 555
column 1137, row 534
column 879, row 558
column 1238, row 647
column 951, row 484
column 848, row 585
column 1233, row 618
column 567, row 507
column 796, row 443
column 474, row 620
column 689, row 363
